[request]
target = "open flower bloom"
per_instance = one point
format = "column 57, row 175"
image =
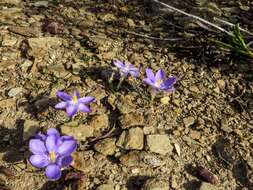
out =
column 126, row 69
column 52, row 151
column 159, row 82
column 74, row 103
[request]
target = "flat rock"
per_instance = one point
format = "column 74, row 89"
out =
column 15, row 91
column 156, row 184
column 132, row 119
column 207, row 186
column 99, row 123
column 105, row 187
column 188, row 121
column 106, row 146
column 11, row 2
column 80, row 132
column 132, row 158
column 132, row 139
column 30, row 128
column 159, row 144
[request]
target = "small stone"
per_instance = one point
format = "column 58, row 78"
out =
column 11, row 2
column 207, row 186
column 159, row 144
column 15, row 91
column 132, row 119
column 9, row 41
column 132, row 139
column 99, row 123
column 156, row 184
column 30, row 128
column 41, row 4
column 106, row 146
column 80, row 132
column 105, row 187
column 195, row 135
column 132, row 158
column 177, row 148
column 188, row 121
column 221, row 83
column 194, row 89
column 217, row 90
column 130, row 22
column 165, row 100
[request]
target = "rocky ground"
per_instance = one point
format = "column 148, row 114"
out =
column 199, row 137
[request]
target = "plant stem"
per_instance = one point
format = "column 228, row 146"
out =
column 120, row 82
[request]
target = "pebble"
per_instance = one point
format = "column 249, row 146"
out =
column 207, row 186
column 15, row 91
column 30, row 129
column 132, row 139
column 156, row 184
column 189, row 121
column 132, row 119
column 80, row 132
column 106, row 146
column 159, row 144
column 105, row 187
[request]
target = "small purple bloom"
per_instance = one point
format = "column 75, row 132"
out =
column 52, row 151
column 159, row 82
column 126, row 69
column 74, row 103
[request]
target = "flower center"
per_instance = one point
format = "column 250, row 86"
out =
column 158, row 83
column 52, row 156
column 75, row 99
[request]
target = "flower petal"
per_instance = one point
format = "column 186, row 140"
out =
column 52, row 143
column 168, row 84
column 39, row 161
column 37, row 146
column 149, row 82
column 53, row 131
column 160, row 75
column 150, row 74
column 84, row 108
column 53, row 172
column 61, row 105
column 67, row 147
column 135, row 73
column 63, row 95
column 40, row 136
column 71, row 110
column 119, row 64
column 66, row 137
column 86, row 100
column 64, row 161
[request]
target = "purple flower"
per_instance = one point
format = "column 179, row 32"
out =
column 74, row 103
column 52, row 151
column 159, row 82
column 126, row 69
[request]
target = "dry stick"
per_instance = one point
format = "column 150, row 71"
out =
column 153, row 38
column 194, row 17
column 230, row 24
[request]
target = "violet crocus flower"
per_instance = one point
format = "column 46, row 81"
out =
column 159, row 82
column 74, row 103
column 52, row 152
column 126, row 69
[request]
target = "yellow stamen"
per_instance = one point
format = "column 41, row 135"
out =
column 75, row 99
column 158, row 83
column 52, row 156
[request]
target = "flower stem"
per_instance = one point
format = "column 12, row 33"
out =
column 120, row 82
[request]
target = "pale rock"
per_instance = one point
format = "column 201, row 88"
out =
column 81, row 132
column 159, row 144
column 156, row 184
column 132, row 139
column 106, row 146
column 30, row 129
